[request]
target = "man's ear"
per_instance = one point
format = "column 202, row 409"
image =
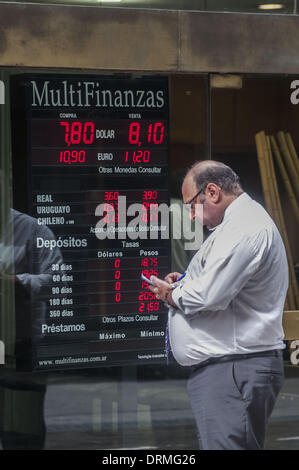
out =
column 213, row 192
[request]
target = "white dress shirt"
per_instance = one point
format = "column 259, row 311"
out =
column 232, row 297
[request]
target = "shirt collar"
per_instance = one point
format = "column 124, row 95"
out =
column 236, row 205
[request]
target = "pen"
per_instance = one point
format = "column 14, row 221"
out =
column 180, row 278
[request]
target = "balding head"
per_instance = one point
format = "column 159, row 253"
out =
column 210, row 171
column 215, row 185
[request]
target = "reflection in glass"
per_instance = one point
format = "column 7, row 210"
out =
column 28, row 271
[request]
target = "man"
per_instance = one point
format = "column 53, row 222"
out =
column 225, row 317
column 22, row 394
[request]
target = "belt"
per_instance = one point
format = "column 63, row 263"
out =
column 231, row 357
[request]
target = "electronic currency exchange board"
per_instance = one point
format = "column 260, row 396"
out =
column 80, row 142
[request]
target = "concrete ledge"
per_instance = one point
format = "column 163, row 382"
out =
column 116, row 39
column 33, row 35
column 224, row 42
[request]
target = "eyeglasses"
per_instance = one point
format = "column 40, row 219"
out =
column 188, row 204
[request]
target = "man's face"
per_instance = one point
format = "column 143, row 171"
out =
column 207, row 212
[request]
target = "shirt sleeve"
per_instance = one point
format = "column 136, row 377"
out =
column 228, row 267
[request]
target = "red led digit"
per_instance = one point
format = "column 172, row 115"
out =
column 117, row 275
column 138, row 156
column 149, row 133
column 111, row 195
column 67, row 156
column 146, row 295
column 150, row 272
column 146, row 156
column 117, row 263
column 134, row 132
column 149, row 206
column 74, row 156
column 88, row 133
column 152, row 306
column 73, row 132
column 81, row 156
column 149, row 195
column 108, row 207
column 117, row 285
column 155, row 134
column 118, row 297
column 158, row 133
column 76, row 132
column 67, row 132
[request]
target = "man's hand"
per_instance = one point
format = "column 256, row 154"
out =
column 18, row 286
column 8, row 277
column 161, row 289
column 172, row 277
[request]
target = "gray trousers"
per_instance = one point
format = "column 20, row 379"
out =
column 232, row 399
